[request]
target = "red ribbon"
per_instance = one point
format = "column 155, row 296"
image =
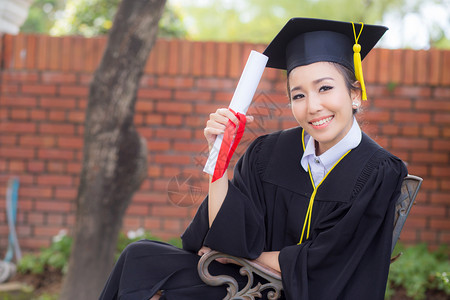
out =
column 226, row 152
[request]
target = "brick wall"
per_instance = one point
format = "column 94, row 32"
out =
column 44, row 84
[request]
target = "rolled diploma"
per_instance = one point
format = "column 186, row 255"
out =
column 242, row 98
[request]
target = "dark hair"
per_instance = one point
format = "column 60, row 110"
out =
column 349, row 79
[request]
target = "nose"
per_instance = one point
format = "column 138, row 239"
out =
column 314, row 104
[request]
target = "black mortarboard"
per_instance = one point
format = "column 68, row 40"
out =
column 303, row 41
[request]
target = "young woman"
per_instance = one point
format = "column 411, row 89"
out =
column 315, row 202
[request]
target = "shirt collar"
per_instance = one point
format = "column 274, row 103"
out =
column 332, row 155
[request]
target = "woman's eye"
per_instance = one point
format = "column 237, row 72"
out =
column 298, row 96
column 325, row 88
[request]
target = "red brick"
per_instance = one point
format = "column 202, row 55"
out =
column 35, row 192
column 192, row 95
column 12, row 89
column 57, row 102
column 21, row 101
column 209, row 58
column 20, row 51
column 408, row 236
column 38, row 114
column 396, row 64
column 56, row 167
column 174, row 57
column 37, row 141
column 168, row 211
column 70, row 142
column 221, row 64
column 445, row 68
column 202, row 108
column 394, row 103
column 171, row 107
column 158, row 145
column 197, row 61
column 390, row 129
column 431, row 157
column 153, row 119
column 408, row 143
column 172, row 159
column 17, row 127
column 137, row 210
column 412, row 91
column 173, row 133
column 19, row 114
column 442, row 92
column 58, row 77
column 55, row 180
column 441, row 145
column 235, row 62
column 35, row 218
column 412, row 117
column 440, row 171
column 162, row 56
column 434, row 66
column 35, row 243
column 430, row 131
column 432, row 105
column 56, row 115
column 16, row 166
column 171, row 120
column 76, row 116
column 73, row 168
column 148, row 93
column 152, row 223
column 132, row 223
column 144, row 106
column 171, row 224
column 410, row 130
column 153, row 171
column 46, row 231
column 16, row 152
column 56, row 128
column 442, row 118
column 67, row 90
column 20, row 76
column 408, row 66
column 376, row 116
column 56, row 219
column 440, row 224
column 40, row 89
column 35, row 166
column 440, row 198
column 175, row 82
column 430, row 210
column 8, row 140
column 55, row 154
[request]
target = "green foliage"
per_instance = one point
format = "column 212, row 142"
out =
column 56, row 256
column 89, row 18
column 259, row 20
column 419, row 270
column 42, row 15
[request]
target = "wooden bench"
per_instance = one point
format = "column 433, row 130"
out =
column 409, row 190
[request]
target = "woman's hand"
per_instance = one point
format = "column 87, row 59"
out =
column 217, row 123
column 205, row 250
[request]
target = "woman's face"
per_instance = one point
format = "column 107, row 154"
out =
column 321, row 103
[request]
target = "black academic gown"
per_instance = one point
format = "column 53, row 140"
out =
column 347, row 254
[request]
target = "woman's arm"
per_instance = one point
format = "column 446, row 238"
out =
column 218, row 190
column 270, row 259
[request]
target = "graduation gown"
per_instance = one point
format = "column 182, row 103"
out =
column 347, row 254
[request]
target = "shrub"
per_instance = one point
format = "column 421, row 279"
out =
column 419, row 270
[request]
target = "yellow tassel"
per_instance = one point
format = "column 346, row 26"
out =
column 357, row 61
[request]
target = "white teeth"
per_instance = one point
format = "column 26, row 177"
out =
column 323, row 121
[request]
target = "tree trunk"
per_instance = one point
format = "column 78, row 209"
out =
column 115, row 156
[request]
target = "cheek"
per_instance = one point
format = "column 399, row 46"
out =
column 299, row 111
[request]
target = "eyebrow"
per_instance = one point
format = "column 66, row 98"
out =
column 299, row 87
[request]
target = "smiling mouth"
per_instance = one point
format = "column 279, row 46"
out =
column 322, row 122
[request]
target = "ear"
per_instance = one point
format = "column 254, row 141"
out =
column 356, row 95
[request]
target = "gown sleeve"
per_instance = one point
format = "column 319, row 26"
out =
column 348, row 253
column 238, row 228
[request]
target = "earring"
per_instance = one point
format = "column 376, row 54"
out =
column 355, row 104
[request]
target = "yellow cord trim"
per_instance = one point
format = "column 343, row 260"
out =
column 357, row 61
column 307, row 222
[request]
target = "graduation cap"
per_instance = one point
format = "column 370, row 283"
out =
column 303, row 41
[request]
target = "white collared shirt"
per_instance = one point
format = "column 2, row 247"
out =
column 322, row 164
